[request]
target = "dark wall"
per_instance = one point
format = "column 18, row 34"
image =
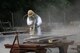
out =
column 52, row 14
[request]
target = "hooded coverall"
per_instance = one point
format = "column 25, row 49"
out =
column 38, row 22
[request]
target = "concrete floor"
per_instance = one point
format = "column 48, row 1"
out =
column 73, row 30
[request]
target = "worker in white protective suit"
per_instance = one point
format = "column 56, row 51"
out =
column 34, row 21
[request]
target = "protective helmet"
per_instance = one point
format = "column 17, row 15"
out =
column 30, row 13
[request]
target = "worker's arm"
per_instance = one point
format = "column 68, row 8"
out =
column 39, row 21
column 29, row 21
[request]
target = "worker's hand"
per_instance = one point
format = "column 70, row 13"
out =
column 31, row 25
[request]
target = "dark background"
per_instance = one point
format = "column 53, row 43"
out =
column 51, row 11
